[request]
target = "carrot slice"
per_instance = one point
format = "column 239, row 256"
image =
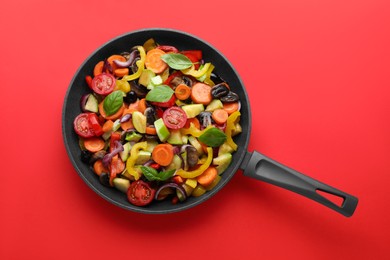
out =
column 220, row 116
column 120, row 72
column 113, row 116
column 99, row 168
column 107, row 126
column 98, row 69
column 201, row 93
column 142, row 105
column 154, row 62
column 231, row 107
column 127, row 125
column 194, row 121
column 94, row 144
column 163, row 154
column 151, row 130
column 208, row 176
column 182, row 92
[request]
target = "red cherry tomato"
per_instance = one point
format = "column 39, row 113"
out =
column 175, row 118
column 82, row 127
column 103, row 84
column 94, row 124
column 140, row 193
column 168, row 103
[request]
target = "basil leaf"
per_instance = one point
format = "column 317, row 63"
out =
column 213, row 137
column 113, row 102
column 149, row 172
column 177, row 61
column 161, row 93
column 153, row 175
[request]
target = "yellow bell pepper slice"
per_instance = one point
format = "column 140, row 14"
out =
column 192, row 130
column 140, row 64
column 230, row 128
column 133, row 158
column 195, row 173
column 196, row 73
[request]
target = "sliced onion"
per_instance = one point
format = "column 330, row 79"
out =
column 171, row 185
column 83, row 102
column 125, row 118
column 124, row 64
column 176, row 149
column 108, row 157
column 148, row 163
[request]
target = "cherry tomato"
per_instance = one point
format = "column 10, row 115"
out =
column 175, row 118
column 82, row 127
column 103, row 84
column 168, row 103
column 94, row 124
column 140, row 193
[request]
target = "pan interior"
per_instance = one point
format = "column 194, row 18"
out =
column 78, row 87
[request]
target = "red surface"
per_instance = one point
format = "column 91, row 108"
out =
column 317, row 73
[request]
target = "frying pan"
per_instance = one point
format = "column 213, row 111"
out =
column 253, row 164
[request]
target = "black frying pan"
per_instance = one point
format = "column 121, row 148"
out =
column 254, row 164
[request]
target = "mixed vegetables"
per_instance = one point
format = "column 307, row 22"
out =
column 158, row 123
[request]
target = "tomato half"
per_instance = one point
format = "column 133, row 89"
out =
column 174, row 118
column 103, row 84
column 140, row 193
column 168, row 103
column 82, row 127
column 94, row 124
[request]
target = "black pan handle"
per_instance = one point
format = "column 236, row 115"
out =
column 258, row 166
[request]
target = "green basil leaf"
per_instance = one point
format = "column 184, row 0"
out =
column 163, row 176
column 161, row 93
column 153, row 175
column 113, row 102
column 177, row 61
column 213, row 137
column 149, row 172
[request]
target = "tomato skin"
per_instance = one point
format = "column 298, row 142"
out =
column 94, row 123
column 174, row 118
column 168, row 103
column 103, row 84
column 140, row 193
column 82, row 127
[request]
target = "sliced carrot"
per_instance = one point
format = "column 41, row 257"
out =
column 99, row 168
column 113, row 116
column 98, row 69
column 182, row 91
column 220, row 116
column 208, row 176
column 107, row 126
column 201, row 93
column 134, row 105
column 163, row 154
column 154, row 62
column 120, row 72
column 151, row 130
column 194, row 121
column 127, row 125
column 142, row 105
column 94, row 144
column 231, row 107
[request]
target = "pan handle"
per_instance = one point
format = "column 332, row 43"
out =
column 258, row 166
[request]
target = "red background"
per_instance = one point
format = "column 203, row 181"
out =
column 317, row 73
